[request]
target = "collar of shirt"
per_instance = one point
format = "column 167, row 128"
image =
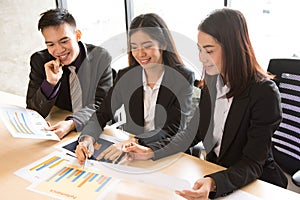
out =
column 222, row 89
column 157, row 84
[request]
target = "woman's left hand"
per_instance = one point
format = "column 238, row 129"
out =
column 137, row 152
column 200, row 191
column 114, row 151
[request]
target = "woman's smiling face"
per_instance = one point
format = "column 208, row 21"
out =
column 145, row 50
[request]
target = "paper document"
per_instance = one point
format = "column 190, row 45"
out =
column 25, row 123
column 59, row 176
column 71, row 182
column 143, row 175
column 42, row 168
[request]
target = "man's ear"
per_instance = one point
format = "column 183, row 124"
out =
column 78, row 35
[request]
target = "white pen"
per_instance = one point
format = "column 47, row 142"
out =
column 85, row 162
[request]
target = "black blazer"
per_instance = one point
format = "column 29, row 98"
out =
column 246, row 143
column 173, row 104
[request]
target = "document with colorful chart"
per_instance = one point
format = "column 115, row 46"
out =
column 46, row 166
column 59, row 176
column 25, row 123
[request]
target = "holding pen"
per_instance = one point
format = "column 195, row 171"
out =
column 84, row 150
column 85, row 162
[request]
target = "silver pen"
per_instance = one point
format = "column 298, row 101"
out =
column 90, row 149
column 85, row 162
column 116, row 161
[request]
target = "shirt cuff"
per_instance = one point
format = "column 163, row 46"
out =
column 49, row 91
column 78, row 123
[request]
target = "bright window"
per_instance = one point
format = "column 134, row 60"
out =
column 102, row 23
column 182, row 18
column 273, row 27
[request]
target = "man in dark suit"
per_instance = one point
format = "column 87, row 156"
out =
column 50, row 72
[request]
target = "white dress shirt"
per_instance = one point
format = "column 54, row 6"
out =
column 150, row 98
column 222, row 107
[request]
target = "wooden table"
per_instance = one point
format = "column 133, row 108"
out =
column 17, row 153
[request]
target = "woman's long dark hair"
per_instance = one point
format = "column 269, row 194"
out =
column 240, row 66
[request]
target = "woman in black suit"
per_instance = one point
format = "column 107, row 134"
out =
column 239, row 111
column 155, row 91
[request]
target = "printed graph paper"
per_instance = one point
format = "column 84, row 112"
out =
column 72, row 182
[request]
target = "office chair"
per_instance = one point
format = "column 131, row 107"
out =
column 286, row 139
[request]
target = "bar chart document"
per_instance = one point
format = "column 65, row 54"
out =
column 59, row 175
column 72, row 182
column 25, row 123
column 46, row 166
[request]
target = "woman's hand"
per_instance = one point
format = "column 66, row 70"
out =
column 111, row 153
column 200, row 191
column 84, row 149
column 114, row 151
column 135, row 151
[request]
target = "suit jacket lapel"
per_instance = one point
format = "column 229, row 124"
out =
column 85, row 71
column 136, row 103
column 136, row 106
column 205, row 113
column 164, row 97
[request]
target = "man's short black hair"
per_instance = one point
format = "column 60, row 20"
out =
column 55, row 17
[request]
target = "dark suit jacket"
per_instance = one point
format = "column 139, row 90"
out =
column 95, row 78
column 246, row 143
column 173, row 104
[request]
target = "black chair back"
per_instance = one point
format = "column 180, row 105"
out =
column 286, row 140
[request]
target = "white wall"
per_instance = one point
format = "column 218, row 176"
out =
column 19, row 39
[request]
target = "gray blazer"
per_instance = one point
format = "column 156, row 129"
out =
column 95, row 75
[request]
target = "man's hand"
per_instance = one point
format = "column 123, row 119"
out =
column 62, row 128
column 53, row 71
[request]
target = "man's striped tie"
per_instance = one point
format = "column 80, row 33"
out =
column 75, row 90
